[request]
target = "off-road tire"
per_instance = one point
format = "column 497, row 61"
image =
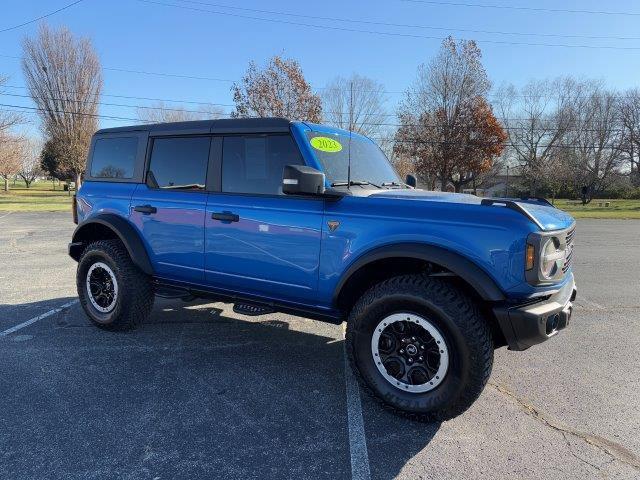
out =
column 457, row 317
column 135, row 291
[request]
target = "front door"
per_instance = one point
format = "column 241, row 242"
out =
column 259, row 241
column 169, row 210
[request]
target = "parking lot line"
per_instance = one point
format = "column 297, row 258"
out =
column 38, row 318
column 360, row 469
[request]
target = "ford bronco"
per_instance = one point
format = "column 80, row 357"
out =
column 280, row 216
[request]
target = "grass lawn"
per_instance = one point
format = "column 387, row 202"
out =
column 619, row 209
column 41, row 197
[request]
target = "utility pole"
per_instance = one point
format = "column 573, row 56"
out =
column 350, row 129
column 506, row 188
column 351, row 106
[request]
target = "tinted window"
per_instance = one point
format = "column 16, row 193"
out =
column 179, row 163
column 114, row 157
column 254, row 164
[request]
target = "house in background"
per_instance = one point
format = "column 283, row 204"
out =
column 505, row 184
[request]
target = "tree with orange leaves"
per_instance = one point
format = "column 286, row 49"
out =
column 279, row 90
column 447, row 126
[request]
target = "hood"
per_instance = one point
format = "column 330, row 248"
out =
column 546, row 216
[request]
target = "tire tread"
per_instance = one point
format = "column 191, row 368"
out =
column 458, row 306
column 139, row 297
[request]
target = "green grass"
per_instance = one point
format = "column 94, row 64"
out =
column 619, row 209
column 41, row 197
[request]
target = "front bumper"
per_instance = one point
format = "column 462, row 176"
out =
column 526, row 325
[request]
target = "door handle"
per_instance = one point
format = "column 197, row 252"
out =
column 225, row 217
column 145, row 209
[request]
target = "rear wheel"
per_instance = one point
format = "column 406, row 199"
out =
column 420, row 346
column 114, row 293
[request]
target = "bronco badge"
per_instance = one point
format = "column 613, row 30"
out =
column 333, row 225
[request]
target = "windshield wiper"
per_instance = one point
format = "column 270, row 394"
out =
column 354, row 183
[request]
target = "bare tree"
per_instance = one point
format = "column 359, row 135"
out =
column 64, row 78
column 447, row 124
column 364, row 113
column 596, row 155
column 30, row 168
column 403, row 165
column 279, row 90
column 11, row 151
column 416, row 145
column 630, row 113
column 159, row 112
column 537, row 117
column 8, row 119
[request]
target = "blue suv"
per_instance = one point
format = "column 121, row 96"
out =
column 273, row 215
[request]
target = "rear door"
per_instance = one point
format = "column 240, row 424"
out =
column 169, row 209
column 258, row 240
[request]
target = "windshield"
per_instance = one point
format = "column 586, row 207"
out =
column 368, row 163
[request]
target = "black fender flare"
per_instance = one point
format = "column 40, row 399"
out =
column 462, row 267
column 123, row 229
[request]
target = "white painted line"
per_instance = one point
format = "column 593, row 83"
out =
column 5, row 215
column 37, row 319
column 357, row 440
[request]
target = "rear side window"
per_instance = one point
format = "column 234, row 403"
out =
column 254, row 164
column 179, row 163
column 114, row 157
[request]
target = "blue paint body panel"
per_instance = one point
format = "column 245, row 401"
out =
column 102, row 197
column 174, row 236
column 281, row 249
column 273, row 249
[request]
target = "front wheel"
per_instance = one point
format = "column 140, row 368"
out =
column 114, row 293
column 420, row 346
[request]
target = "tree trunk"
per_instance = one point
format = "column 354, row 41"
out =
column 6, row 184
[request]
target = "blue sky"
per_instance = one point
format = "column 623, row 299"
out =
column 136, row 35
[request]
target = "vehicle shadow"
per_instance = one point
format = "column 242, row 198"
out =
column 194, row 393
column 14, row 314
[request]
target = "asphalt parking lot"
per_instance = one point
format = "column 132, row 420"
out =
column 201, row 392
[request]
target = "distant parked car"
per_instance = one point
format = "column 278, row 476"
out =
column 273, row 215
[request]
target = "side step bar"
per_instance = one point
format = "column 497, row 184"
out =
column 243, row 304
column 173, row 293
column 251, row 309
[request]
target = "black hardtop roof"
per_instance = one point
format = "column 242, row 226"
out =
column 226, row 125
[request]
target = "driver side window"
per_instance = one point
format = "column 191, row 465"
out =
column 254, row 163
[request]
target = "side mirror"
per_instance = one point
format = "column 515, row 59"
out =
column 412, row 181
column 302, row 180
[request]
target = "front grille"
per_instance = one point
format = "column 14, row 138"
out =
column 569, row 249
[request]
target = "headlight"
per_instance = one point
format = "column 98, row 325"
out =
column 551, row 257
column 545, row 255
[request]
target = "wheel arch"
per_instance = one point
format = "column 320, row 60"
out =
column 111, row 226
column 412, row 255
